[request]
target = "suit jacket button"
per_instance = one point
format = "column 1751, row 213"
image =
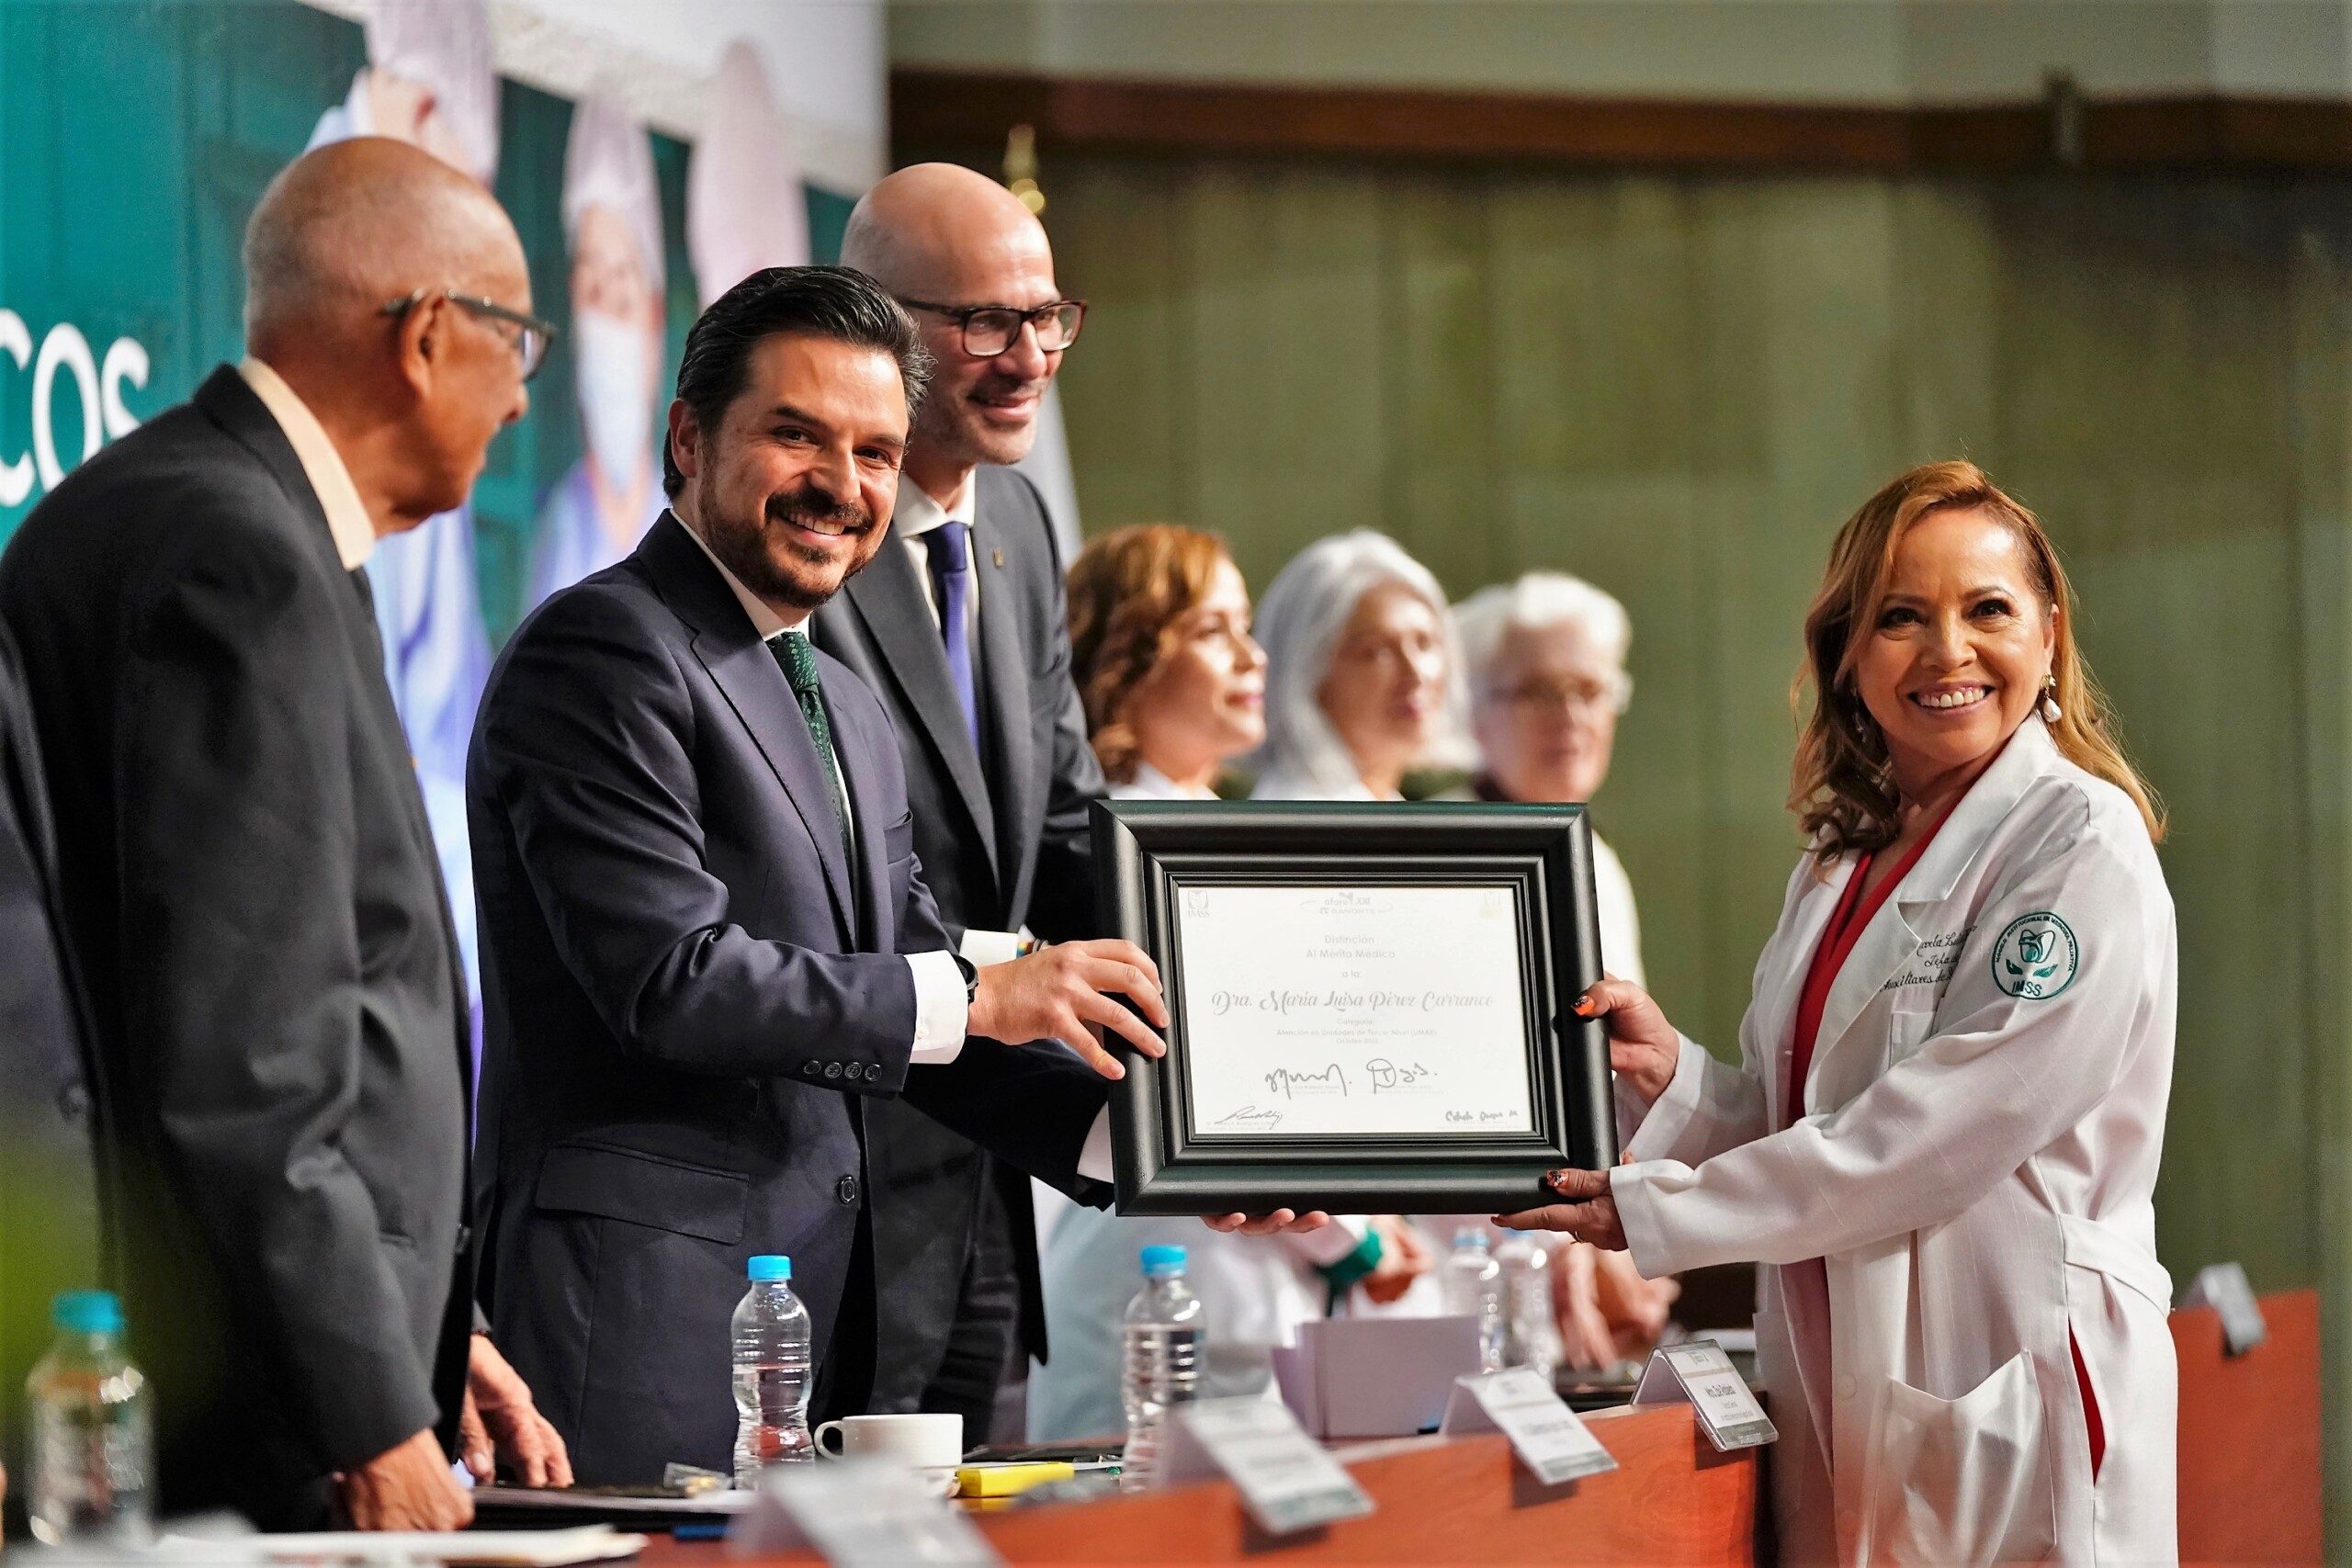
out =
column 464, row 1239
column 846, row 1190
column 832, row 1069
column 810, row 1070
column 73, row 1103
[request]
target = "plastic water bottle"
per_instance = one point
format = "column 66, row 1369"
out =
column 1531, row 1335
column 1164, row 1326
column 772, row 1373
column 93, row 1437
column 1473, row 1289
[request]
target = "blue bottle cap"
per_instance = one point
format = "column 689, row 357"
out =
column 1163, row 1258
column 770, row 1266
column 87, row 1312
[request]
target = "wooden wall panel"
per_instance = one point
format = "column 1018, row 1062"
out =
column 1680, row 385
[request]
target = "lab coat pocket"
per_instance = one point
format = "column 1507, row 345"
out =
column 1961, row 1479
column 1906, row 1030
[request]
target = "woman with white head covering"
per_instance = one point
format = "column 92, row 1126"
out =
column 611, row 222
column 1362, row 671
column 431, row 80
column 745, row 208
column 1545, row 662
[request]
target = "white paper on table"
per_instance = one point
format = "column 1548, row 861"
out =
column 471, row 1549
column 1381, row 1010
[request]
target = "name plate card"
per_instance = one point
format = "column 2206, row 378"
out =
column 1286, row 1481
column 860, row 1513
column 2225, row 1289
column 1550, row 1438
column 1698, row 1370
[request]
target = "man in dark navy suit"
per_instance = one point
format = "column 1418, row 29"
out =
column 706, row 943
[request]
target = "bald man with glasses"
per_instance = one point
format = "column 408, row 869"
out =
column 960, row 626
column 278, row 1014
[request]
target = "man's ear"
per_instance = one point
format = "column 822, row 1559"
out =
column 421, row 341
column 685, row 437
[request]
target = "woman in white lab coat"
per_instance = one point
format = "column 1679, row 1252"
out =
column 1944, row 1130
column 1173, row 686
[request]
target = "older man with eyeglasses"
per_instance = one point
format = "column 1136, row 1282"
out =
column 960, row 626
column 250, row 887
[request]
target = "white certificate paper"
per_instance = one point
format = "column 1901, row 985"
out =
column 1381, row 1010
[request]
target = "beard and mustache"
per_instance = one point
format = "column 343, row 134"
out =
column 749, row 548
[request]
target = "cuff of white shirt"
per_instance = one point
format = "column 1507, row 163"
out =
column 940, row 1008
column 1637, row 1216
column 1094, row 1158
column 1332, row 1243
column 981, row 948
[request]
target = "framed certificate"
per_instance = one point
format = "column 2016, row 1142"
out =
column 1368, row 1005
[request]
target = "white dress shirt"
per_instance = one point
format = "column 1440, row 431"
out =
column 915, row 518
column 347, row 520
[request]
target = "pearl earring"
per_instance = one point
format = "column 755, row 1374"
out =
column 2051, row 713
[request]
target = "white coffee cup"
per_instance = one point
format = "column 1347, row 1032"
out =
column 927, row 1442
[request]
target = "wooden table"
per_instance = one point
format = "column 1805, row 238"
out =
column 2250, row 1437
column 1671, row 1499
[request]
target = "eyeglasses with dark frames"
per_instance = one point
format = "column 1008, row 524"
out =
column 989, row 329
column 531, row 337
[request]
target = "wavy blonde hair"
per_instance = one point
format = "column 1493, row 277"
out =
column 1126, row 589
column 1841, row 785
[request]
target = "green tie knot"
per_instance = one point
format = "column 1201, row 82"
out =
column 799, row 661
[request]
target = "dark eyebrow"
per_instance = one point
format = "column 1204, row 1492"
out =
column 785, row 411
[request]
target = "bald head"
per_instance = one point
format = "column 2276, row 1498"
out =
column 411, row 398
column 346, row 227
column 929, row 230
column 944, row 240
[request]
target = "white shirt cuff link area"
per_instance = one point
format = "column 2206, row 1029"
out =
column 941, row 1008
column 981, row 948
column 1094, row 1159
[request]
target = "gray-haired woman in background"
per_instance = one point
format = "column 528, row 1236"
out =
column 1361, row 673
column 1545, row 662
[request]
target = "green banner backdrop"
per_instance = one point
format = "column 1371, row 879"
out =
column 135, row 138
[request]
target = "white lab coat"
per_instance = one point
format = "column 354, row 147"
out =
column 1976, row 1167
column 1256, row 1291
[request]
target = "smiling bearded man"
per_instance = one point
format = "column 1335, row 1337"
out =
column 709, row 953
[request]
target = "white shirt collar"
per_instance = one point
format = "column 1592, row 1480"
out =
column 1150, row 783
column 347, row 520
column 764, row 620
column 917, row 513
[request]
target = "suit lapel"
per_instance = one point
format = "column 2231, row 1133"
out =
column 745, row 672
column 1005, row 699
column 890, row 602
column 1777, row 1012
column 857, row 750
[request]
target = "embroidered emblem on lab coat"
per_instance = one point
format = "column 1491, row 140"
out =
column 2036, row 957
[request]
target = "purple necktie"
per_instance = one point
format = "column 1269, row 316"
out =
column 950, row 579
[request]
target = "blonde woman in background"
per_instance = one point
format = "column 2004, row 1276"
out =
column 1173, row 686
column 1362, row 679
column 1544, row 658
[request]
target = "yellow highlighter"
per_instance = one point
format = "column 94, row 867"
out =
column 1007, row 1480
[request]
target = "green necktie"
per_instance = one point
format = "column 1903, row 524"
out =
column 798, row 662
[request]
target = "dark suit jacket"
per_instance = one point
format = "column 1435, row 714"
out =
column 251, row 890
column 50, row 1216
column 693, row 996
column 1004, row 843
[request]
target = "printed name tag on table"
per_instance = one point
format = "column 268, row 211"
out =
column 1698, row 1370
column 860, row 1513
column 1286, row 1481
column 1520, row 1403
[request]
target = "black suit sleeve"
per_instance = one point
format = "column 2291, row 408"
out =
column 1062, row 901
column 587, row 742
column 236, row 795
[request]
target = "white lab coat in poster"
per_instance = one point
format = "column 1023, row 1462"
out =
column 1975, row 1162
